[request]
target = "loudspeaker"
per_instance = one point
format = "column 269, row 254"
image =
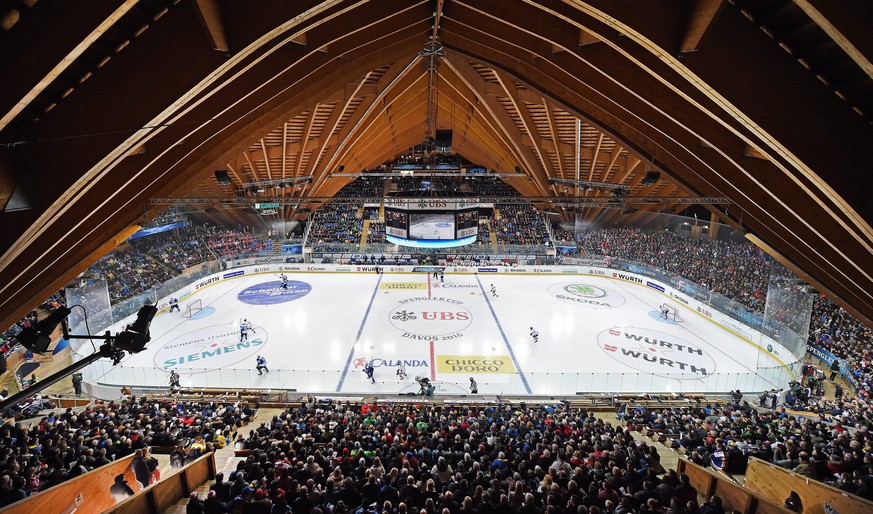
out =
column 222, row 177
column 341, row 169
column 650, row 178
column 443, row 140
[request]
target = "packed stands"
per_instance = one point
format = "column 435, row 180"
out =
column 64, row 444
column 336, row 223
column 737, row 270
column 725, row 436
column 437, row 458
column 520, row 224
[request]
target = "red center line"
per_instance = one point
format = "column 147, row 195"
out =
column 428, row 284
column 432, row 363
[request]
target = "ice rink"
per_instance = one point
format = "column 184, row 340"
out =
column 595, row 334
column 438, row 230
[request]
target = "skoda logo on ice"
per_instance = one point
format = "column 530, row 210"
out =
column 585, row 291
column 586, row 295
column 271, row 293
column 426, row 318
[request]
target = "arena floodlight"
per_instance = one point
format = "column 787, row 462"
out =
column 37, row 339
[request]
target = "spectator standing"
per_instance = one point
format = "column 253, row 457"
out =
column 835, row 368
column 140, row 467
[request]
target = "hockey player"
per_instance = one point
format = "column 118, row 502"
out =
column 368, row 370
column 284, row 279
column 534, row 335
column 174, row 380
column 244, row 328
column 401, row 372
column 494, row 292
column 261, row 365
column 474, row 387
column 665, row 311
column 174, row 304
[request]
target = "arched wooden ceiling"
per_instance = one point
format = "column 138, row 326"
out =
column 766, row 102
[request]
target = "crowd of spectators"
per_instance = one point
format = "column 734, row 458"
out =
column 836, row 450
column 520, row 224
column 837, row 331
column 65, row 444
column 435, row 459
column 367, row 187
column 336, row 223
column 736, row 269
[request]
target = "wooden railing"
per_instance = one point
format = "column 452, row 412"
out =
column 159, row 497
column 734, row 497
column 89, row 493
column 774, row 482
column 84, row 494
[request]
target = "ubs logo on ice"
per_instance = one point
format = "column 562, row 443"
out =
column 658, row 353
column 586, row 295
column 430, row 318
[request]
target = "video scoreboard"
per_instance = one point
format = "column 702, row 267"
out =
column 431, row 222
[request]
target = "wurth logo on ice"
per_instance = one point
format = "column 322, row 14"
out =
column 659, row 353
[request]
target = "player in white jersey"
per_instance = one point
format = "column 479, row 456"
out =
column 284, row 279
column 534, row 335
column 245, row 327
column 494, row 292
column 401, row 372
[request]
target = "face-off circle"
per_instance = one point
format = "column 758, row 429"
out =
column 271, row 293
column 430, row 316
column 658, row 353
column 583, row 294
column 212, row 347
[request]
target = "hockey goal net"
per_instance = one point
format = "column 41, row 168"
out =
column 669, row 311
column 193, row 308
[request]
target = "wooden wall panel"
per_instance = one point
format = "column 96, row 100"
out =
column 774, row 483
column 733, row 496
column 94, row 487
column 159, row 497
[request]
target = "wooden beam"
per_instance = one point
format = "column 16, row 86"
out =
column 826, row 16
column 700, row 17
column 210, row 16
column 266, row 159
column 553, row 132
column 751, row 151
column 67, row 60
column 524, row 154
column 304, row 140
column 587, row 38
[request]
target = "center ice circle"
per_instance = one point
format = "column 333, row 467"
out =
column 430, row 316
column 271, row 293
